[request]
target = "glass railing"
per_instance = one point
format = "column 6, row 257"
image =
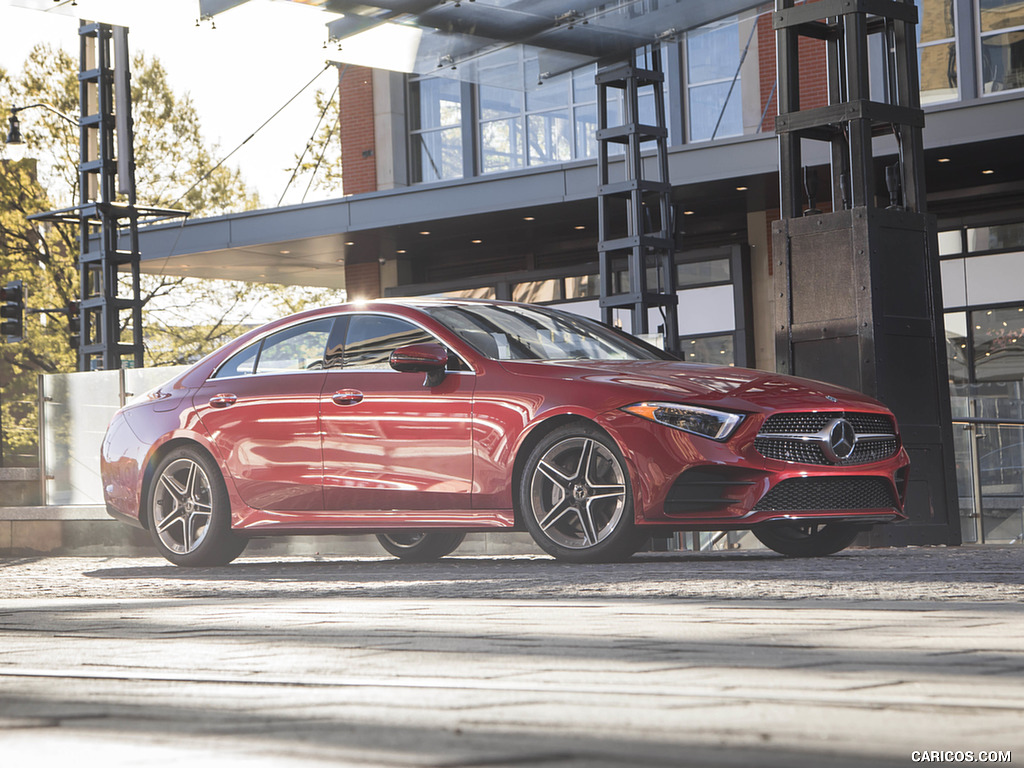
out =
column 74, row 411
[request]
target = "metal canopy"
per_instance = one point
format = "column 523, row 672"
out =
column 466, row 40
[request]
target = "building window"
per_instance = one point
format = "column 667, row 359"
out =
column 502, row 128
column 533, row 120
column 1001, row 27
column 538, row 291
column 717, row 349
column 936, row 51
column 714, row 100
column 436, row 129
column 722, row 57
column 985, row 350
column 998, row 237
column 695, row 274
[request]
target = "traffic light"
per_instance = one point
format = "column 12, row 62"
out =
column 12, row 311
column 74, row 312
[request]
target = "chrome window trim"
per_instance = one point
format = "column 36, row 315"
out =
column 213, row 376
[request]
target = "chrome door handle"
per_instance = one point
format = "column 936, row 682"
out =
column 347, row 397
column 223, row 400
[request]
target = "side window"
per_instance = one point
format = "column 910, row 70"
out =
column 240, row 364
column 372, row 338
column 295, row 349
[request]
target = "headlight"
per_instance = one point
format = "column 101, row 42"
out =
column 717, row 425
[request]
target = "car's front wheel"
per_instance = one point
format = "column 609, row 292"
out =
column 420, row 546
column 576, row 499
column 807, row 539
column 189, row 512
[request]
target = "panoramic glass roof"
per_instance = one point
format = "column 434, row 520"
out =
column 470, row 39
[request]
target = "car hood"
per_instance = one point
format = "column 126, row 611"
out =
column 739, row 389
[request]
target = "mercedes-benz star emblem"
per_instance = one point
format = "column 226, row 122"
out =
column 842, row 439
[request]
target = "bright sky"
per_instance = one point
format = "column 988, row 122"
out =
column 238, row 74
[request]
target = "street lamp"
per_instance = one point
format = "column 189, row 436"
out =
column 14, row 134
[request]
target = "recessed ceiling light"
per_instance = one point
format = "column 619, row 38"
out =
column 528, row 218
column 477, row 242
column 581, row 226
column 687, row 213
column 943, row 159
column 400, row 251
column 425, row 232
column 349, row 243
column 741, row 189
column 988, row 172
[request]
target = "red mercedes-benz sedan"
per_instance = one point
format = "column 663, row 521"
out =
column 422, row 420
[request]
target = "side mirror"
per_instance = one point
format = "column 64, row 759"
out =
column 431, row 359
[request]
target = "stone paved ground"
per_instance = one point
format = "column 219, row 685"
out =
column 724, row 659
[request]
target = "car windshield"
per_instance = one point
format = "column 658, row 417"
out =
column 511, row 332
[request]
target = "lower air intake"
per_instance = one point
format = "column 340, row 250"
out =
column 825, row 493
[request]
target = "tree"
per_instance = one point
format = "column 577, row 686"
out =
column 174, row 168
column 319, row 165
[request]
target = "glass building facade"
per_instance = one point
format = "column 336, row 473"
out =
column 715, row 87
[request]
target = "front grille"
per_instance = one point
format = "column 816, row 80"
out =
column 801, row 494
column 783, row 437
column 809, row 423
column 800, row 451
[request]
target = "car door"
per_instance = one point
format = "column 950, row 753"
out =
column 390, row 442
column 262, row 410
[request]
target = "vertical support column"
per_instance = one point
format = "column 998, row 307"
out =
column 107, row 164
column 857, row 290
column 635, row 212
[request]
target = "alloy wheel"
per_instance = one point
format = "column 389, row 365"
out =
column 183, row 506
column 577, row 493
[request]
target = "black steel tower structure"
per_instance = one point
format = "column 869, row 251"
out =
column 634, row 211
column 857, row 289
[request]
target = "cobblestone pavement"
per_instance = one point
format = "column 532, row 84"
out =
column 724, row 659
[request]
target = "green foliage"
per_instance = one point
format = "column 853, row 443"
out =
column 183, row 319
column 45, row 263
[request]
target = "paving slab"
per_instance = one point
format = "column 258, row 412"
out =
column 719, row 659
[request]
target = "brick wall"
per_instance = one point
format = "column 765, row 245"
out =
column 813, row 72
column 362, row 280
column 359, row 165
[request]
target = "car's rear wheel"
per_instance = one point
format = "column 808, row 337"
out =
column 807, row 539
column 421, row 546
column 189, row 512
column 576, row 498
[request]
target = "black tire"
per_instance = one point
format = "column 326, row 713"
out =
column 421, row 546
column 807, row 539
column 576, row 499
column 189, row 512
